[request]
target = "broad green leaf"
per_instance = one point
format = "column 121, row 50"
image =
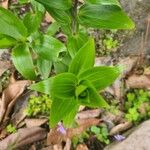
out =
column 53, row 28
column 6, row 41
column 62, row 17
column 44, row 67
column 36, row 6
column 104, row 16
column 104, row 2
column 56, row 4
column 80, row 89
column 62, row 65
column 84, row 58
column 92, row 99
column 64, row 85
column 32, row 21
column 101, row 76
column 60, row 109
column 69, row 119
column 48, row 47
column 75, row 42
column 43, row 86
column 22, row 60
column 11, row 26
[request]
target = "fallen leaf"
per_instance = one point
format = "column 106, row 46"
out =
column 9, row 97
column 35, row 122
column 49, row 18
column 81, row 147
column 89, row 114
column 4, row 65
column 138, row 81
column 4, row 4
column 23, row 137
column 67, row 145
column 120, row 128
column 55, row 137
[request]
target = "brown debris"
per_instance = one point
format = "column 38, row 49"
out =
column 89, row 114
column 23, row 137
column 9, row 97
column 4, row 65
column 55, row 137
column 120, row 128
column 138, row 81
column 35, row 122
column 82, row 147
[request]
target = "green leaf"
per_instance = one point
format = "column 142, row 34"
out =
column 92, row 99
column 6, row 41
column 84, row 58
column 63, row 17
column 48, row 47
column 69, row 118
column 62, row 65
column 64, row 85
column 56, row 4
column 101, row 76
column 43, row 86
column 44, row 67
column 32, row 21
column 22, row 60
column 104, row 16
column 60, row 109
column 11, row 26
column 104, row 2
column 53, row 28
column 95, row 130
column 75, row 42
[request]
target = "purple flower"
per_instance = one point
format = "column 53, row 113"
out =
column 119, row 137
column 61, row 128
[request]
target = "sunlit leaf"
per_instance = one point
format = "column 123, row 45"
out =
column 84, row 58
column 23, row 61
column 101, row 76
column 11, row 26
column 104, row 16
column 48, row 47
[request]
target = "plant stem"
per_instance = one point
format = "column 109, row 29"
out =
column 74, row 15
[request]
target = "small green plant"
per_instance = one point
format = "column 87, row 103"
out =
column 40, row 105
column 110, row 43
column 79, row 86
column 137, row 105
column 80, row 139
column 101, row 133
column 11, row 129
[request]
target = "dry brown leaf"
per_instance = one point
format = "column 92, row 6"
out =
column 4, row 4
column 55, row 137
column 4, row 65
column 120, row 128
column 49, row 18
column 82, row 147
column 128, row 63
column 68, row 144
column 23, row 137
column 138, row 81
column 89, row 114
column 35, row 122
column 9, row 97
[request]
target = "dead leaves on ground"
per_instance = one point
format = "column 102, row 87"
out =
column 4, row 65
column 9, row 97
column 23, row 137
column 55, row 137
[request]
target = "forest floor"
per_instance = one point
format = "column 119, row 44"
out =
column 129, row 96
